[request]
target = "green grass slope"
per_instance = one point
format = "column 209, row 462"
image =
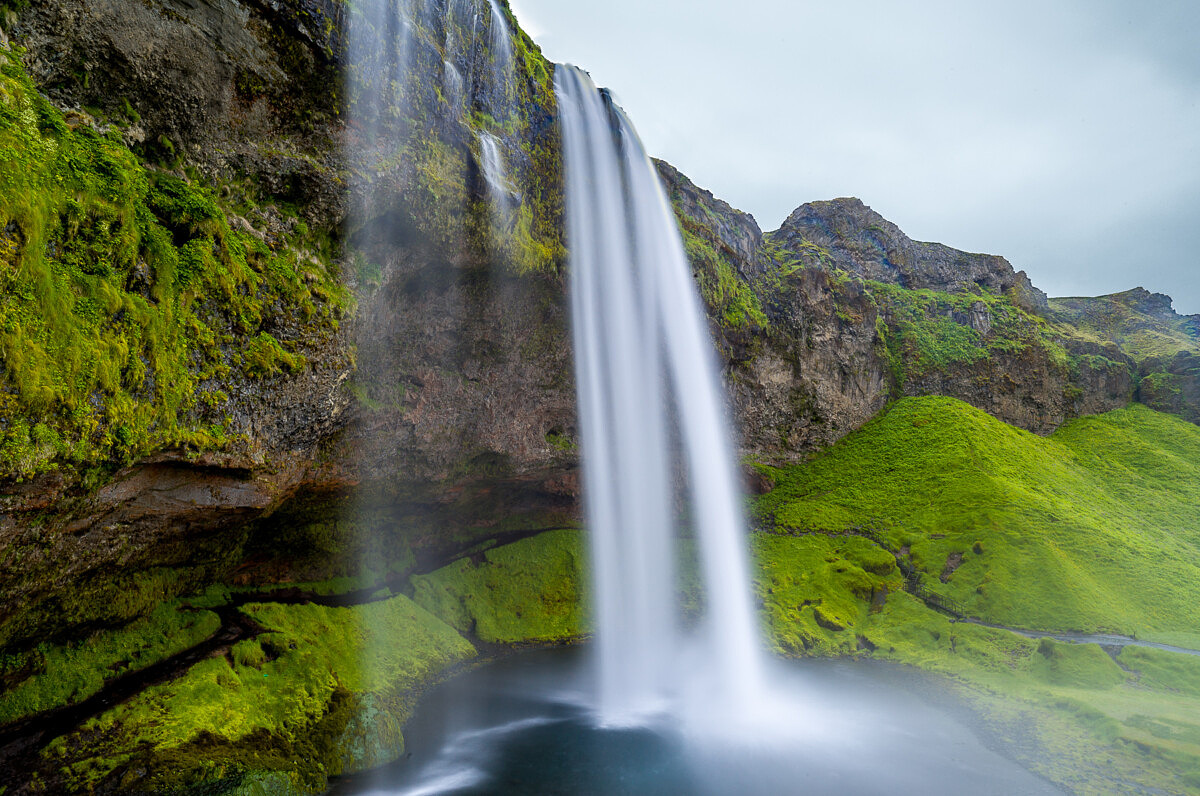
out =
column 1094, row 528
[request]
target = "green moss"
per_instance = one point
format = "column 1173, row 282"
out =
column 264, row 357
column 530, row 590
column 104, row 600
column 68, row 673
column 1091, row 529
column 728, row 297
column 815, row 589
column 925, row 330
column 325, row 690
column 560, row 441
column 122, row 290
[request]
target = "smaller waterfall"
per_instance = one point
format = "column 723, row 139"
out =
column 501, row 39
column 452, row 85
column 501, row 98
column 493, row 168
column 380, row 39
column 642, row 345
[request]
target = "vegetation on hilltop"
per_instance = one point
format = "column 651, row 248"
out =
column 929, row 330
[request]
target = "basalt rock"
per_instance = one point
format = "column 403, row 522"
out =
column 1172, row 384
column 443, row 403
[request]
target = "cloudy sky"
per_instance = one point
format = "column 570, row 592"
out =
column 1062, row 134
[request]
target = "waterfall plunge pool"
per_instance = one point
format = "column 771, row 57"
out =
column 527, row 725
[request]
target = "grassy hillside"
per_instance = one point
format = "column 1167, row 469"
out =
column 1094, row 528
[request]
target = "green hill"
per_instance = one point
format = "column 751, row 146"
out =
column 1096, row 527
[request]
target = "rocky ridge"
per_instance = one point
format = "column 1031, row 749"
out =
column 855, row 314
column 862, row 242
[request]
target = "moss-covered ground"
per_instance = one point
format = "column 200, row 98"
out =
column 528, row 591
column 321, row 691
column 53, row 675
column 1091, row 529
column 326, row 690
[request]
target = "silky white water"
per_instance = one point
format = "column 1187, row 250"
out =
column 644, row 357
column 493, row 167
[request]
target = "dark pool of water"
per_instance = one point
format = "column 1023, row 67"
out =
column 524, row 726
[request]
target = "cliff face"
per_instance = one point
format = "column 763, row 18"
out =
column 850, row 313
column 1163, row 346
column 413, row 350
column 804, row 364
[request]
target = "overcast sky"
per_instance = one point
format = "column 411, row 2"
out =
column 1062, row 134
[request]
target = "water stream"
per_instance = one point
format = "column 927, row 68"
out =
column 644, row 359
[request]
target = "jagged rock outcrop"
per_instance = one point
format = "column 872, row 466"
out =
column 811, row 371
column 862, row 242
column 733, row 231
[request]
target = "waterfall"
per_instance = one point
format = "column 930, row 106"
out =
column 493, row 167
column 380, row 45
column 501, row 40
column 643, row 355
column 501, row 88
